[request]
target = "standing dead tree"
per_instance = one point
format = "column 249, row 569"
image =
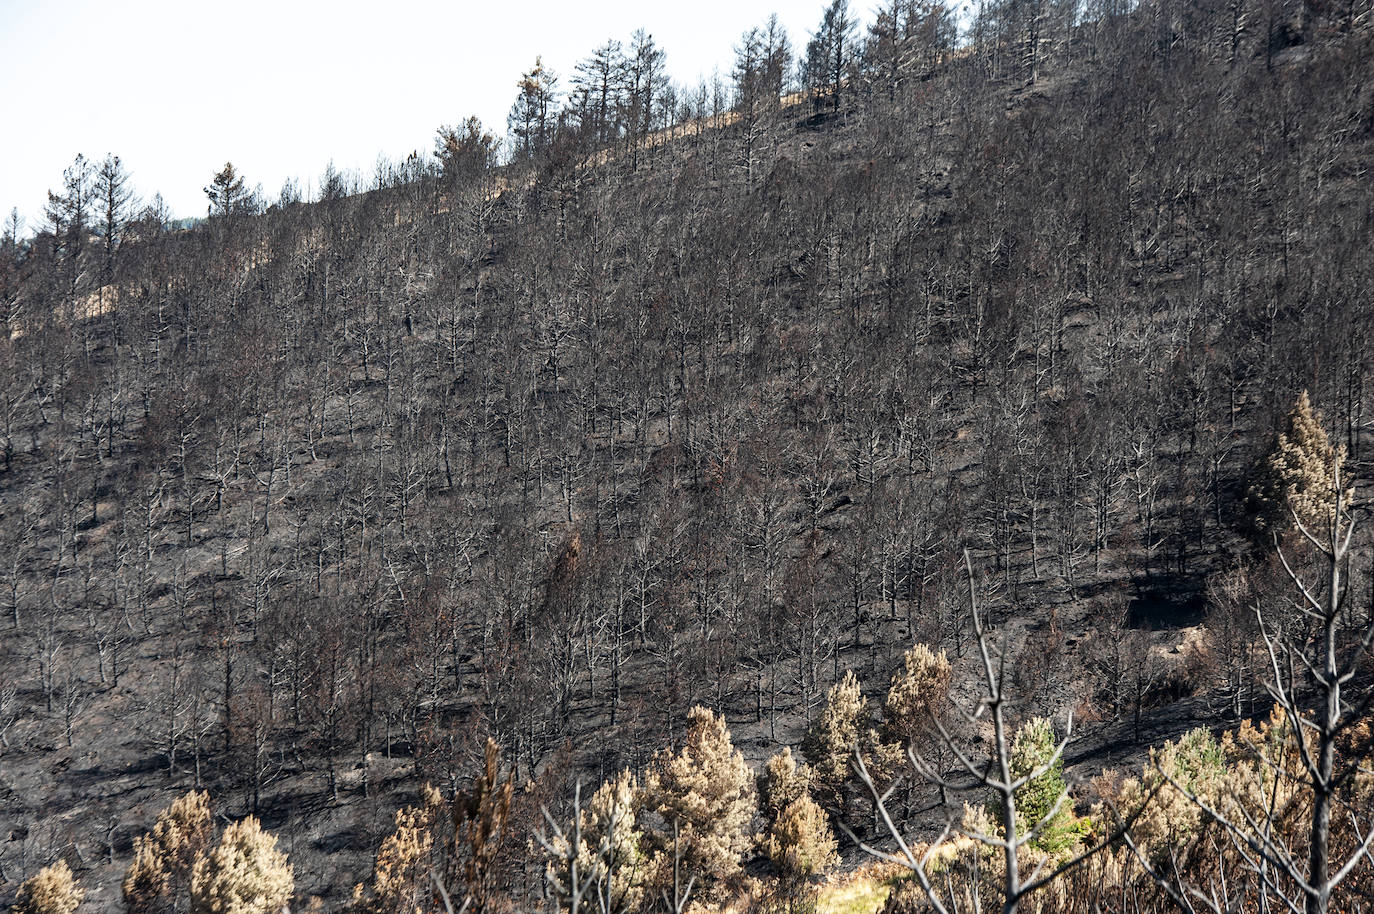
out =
column 479, row 818
column 1006, row 775
column 1311, row 662
column 566, row 851
column 595, row 863
column 1330, row 660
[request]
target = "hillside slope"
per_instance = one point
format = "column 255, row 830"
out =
column 336, row 491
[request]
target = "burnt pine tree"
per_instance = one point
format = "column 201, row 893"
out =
column 227, row 192
column 531, row 119
column 115, row 202
column 829, row 55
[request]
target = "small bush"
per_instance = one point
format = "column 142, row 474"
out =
column 53, row 890
column 244, row 874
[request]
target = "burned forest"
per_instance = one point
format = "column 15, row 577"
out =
column 924, row 468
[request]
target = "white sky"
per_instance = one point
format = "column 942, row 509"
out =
column 177, row 87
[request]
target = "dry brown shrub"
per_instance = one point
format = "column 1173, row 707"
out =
column 53, row 890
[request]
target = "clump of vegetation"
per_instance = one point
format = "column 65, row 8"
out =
column 802, row 847
column 1043, row 803
column 1302, row 477
column 165, row 856
column 610, row 853
column 782, row 783
column 1166, row 818
column 830, row 742
column 480, row 816
column 145, row 882
column 705, row 796
column 243, row 874
column 916, row 697
column 52, row 890
column 401, row 875
column 800, row 843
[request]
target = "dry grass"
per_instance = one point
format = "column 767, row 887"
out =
column 860, row 891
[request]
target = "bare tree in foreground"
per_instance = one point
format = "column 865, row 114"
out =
column 595, row 863
column 1000, row 774
column 1311, row 662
